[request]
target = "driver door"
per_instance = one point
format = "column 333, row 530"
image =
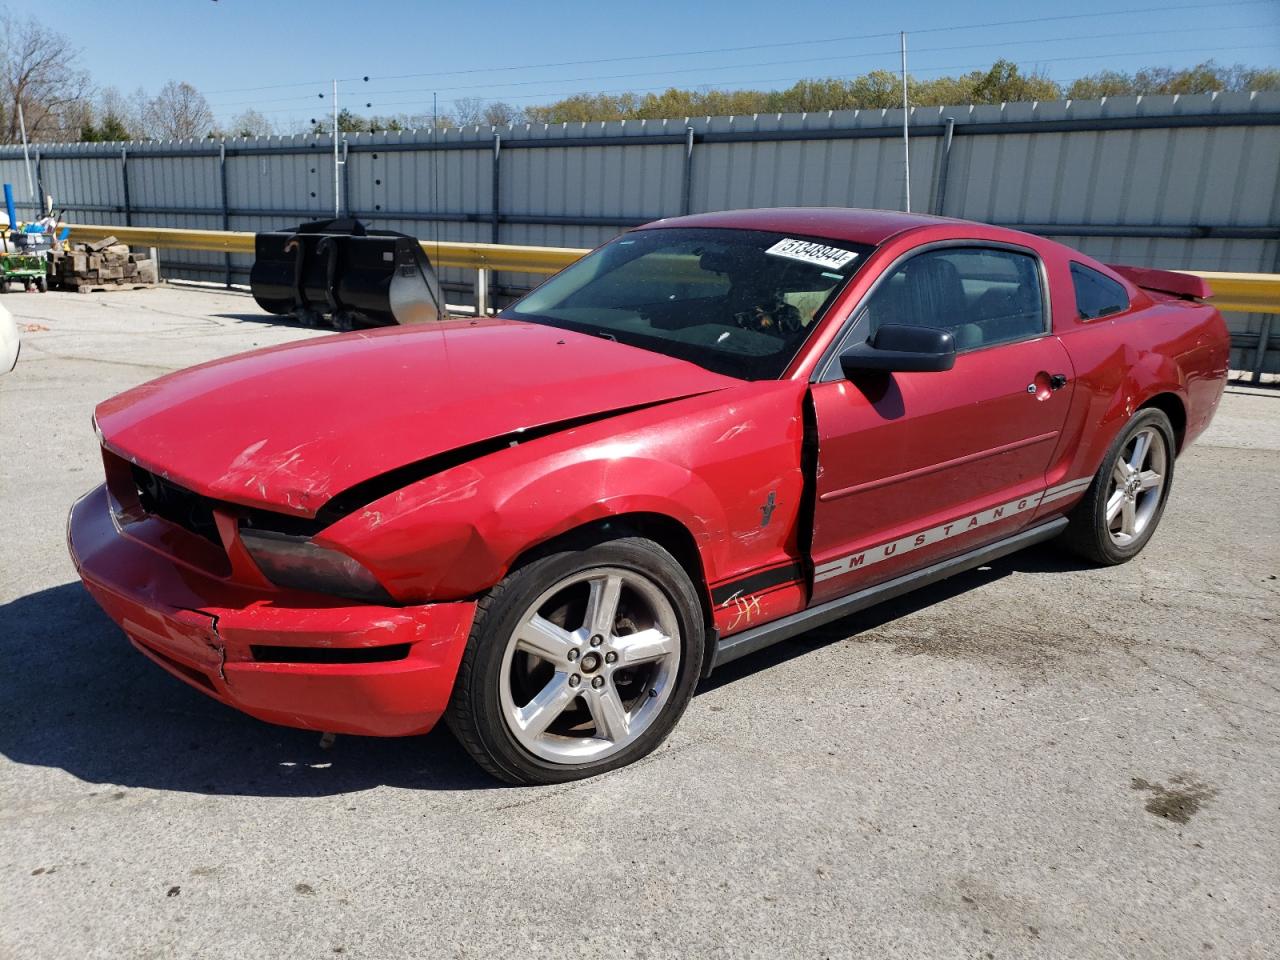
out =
column 918, row 467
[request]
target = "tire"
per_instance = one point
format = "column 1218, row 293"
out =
column 42, row 285
column 608, row 688
column 1122, row 507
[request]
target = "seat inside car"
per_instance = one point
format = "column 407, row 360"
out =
column 1005, row 313
column 927, row 292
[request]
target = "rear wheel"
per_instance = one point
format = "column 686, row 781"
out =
column 1124, row 504
column 578, row 662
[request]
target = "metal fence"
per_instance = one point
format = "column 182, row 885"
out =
column 1190, row 181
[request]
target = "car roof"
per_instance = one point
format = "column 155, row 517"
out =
column 836, row 223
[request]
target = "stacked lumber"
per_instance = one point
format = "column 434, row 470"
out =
column 105, row 264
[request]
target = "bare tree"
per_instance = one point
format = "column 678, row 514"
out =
column 178, row 112
column 500, row 113
column 251, row 123
column 38, row 71
column 128, row 109
column 467, row 111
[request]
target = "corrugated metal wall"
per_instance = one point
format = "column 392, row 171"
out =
column 1162, row 181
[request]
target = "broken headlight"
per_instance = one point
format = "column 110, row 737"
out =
column 297, row 563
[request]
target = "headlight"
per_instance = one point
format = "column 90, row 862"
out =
column 296, row 562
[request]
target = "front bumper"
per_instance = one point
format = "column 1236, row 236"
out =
column 384, row 671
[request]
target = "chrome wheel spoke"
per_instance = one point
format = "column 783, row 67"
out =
column 551, row 701
column 1128, row 518
column 1114, row 505
column 1149, row 479
column 1120, row 474
column 1140, row 447
column 608, row 713
column 542, row 638
column 602, row 605
column 644, row 647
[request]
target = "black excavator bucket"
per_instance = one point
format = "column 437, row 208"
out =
column 340, row 271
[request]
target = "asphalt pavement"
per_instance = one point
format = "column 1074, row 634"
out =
column 1034, row 759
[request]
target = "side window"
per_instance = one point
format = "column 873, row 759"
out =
column 1097, row 295
column 983, row 296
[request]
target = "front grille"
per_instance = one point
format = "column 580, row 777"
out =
column 165, row 499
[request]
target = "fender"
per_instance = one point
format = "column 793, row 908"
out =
column 724, row 467
column 614, row 487
column 1148, row 375
column 1145, row 375
column 1121, row 367
column 464, row 552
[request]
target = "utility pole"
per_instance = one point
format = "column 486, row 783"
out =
column 435, row 169
column 26, row 159
column 906, row 146
column 337, row 180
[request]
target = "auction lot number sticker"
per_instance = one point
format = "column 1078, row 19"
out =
column 818, row 254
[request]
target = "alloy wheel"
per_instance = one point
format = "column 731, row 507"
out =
column 590, row 665
column 1137, row 483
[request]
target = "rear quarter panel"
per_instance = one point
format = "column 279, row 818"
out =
column 1161, row 345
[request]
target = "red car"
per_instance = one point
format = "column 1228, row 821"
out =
column 708, row 435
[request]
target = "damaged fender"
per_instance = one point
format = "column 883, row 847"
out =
column 724, row 466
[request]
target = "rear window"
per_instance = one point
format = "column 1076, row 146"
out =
column 1097, row 295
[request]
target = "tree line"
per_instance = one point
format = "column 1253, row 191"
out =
column 41, row 86
column 1004, row 82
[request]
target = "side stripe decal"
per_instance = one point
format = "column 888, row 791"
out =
column 756, row 582
column 914, row 541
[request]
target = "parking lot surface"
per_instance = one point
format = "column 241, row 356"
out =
column 1034, row 759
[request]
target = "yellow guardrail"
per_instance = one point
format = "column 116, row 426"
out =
column 1248, row 292
column 219, row 241
column 477, row 256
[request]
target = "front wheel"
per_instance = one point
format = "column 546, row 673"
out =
column 578, row 662
column 1124, row 504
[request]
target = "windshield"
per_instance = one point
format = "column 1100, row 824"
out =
column 738, row 302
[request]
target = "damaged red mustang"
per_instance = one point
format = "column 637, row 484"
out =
column 711, row 434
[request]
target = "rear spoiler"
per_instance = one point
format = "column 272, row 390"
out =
column 1185, row 285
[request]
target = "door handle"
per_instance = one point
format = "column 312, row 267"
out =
column 1046, row 384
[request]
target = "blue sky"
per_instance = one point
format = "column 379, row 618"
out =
column 287, row 49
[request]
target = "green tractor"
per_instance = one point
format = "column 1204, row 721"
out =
column 27, row 268
column 23, row 256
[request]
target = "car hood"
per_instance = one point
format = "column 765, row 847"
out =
column 289, row 427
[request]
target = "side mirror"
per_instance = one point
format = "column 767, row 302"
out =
column 898, row 347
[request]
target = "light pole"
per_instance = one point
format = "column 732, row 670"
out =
column 26, row 157
column 906, row 147
column 337, row 181
column 337, row 160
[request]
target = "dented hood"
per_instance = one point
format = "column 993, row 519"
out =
column 287, row 428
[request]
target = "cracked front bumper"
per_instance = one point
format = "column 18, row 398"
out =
column 212, row 634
